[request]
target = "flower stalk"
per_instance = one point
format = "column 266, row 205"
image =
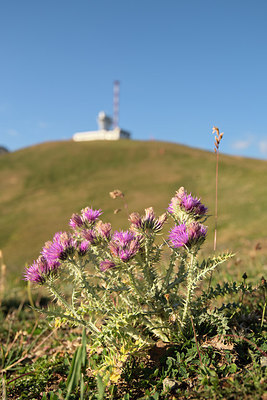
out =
column 218, row 138
column 190, row 286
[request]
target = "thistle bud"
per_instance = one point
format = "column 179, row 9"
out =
column 135, row 220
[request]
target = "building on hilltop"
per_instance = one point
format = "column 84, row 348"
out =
column 105, row 131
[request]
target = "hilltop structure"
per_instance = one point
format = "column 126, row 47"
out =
column 105, row 131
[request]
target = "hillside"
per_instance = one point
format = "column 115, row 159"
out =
column 42, row 186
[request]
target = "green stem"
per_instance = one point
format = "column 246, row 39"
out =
column 82, row 278
column 169, row 271
column 147, row 272
column 68, row 307
column 263, row 314
column 190, row 286
column 61, row 299
column 195, row 336
column 134, row 284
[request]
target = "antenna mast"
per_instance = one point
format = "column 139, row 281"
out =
column 116, row 94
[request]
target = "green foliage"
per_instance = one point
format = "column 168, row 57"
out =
column 33, row 379
column 79, row 362
column 232, row 366
column 101, row 386
column 52, row 396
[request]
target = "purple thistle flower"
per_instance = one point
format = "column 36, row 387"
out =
column 123, row 238
column 76, row 221
column 124, row 245
column 201, row 209
column 193, row 205
column 39, row 270
column 183, row 235
column 98, row 234
column 187, row 203
column 65, row 239
column 62, row 245
column 106, row 264
column 89, row 235
column 178, row 236
column 52, row 251
column 83, row 247
column 89, row 216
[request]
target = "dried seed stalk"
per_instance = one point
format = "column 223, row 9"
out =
column 218, row 138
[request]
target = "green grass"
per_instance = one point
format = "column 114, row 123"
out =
column 42, row 186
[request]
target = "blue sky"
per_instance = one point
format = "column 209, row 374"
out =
column 183, row 66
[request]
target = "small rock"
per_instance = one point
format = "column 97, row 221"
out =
column 169, row 385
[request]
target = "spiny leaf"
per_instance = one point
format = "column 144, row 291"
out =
column 210, row 264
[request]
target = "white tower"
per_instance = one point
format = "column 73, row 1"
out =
column 104, row 121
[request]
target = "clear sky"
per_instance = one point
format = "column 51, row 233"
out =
column 183, row 65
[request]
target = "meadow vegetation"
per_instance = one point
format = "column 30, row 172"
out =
column 133, row 313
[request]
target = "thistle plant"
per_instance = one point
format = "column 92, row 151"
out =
column 118, row 284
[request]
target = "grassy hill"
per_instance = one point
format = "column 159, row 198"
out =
column 42, row 186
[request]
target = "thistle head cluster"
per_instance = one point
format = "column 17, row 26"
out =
column 188, row 212
column 88, row 229
column 124, row 245
column 60, row 248
column 65, row 246
column 90, row 236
